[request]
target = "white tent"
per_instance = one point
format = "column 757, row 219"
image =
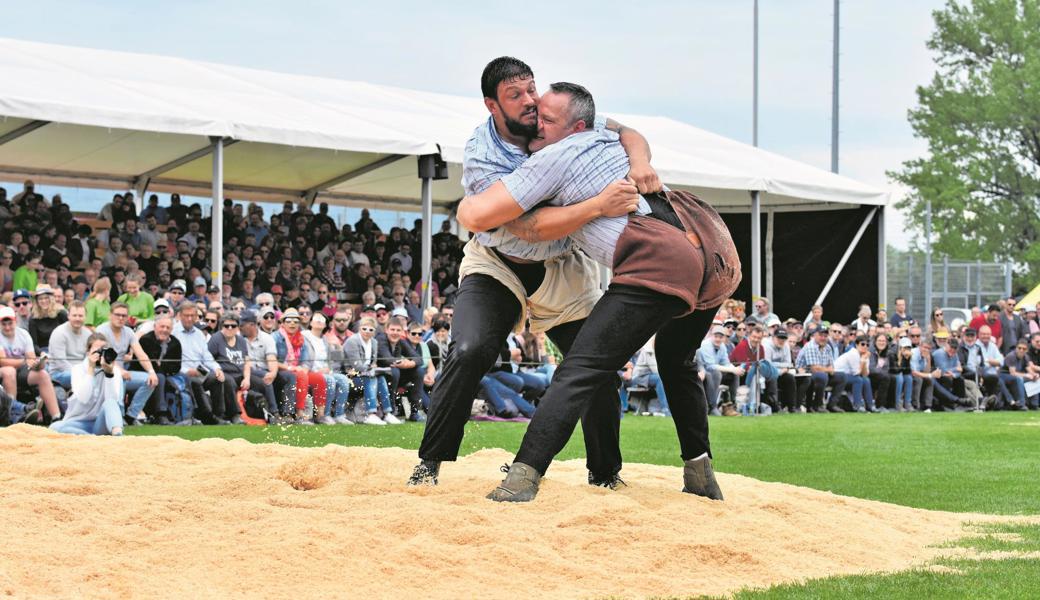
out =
column 97, row 118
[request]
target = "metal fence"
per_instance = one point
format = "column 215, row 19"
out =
column 954, row 283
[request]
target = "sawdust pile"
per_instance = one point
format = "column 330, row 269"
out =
column 166, row 518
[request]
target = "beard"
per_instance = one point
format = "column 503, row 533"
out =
column 521, row 129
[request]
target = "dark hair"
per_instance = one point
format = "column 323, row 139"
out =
column 582, row 106
column 503, row 68
column 440, row 324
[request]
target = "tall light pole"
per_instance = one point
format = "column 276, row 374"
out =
column 834, row 95
column 754, row 84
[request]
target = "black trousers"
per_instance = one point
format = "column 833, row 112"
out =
column 221, row 400
column 620, row 324
column 880, row 383
column 782, row 391
column 485, row 311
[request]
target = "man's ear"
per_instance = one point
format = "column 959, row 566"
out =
column 580, row 126
column 491, row 104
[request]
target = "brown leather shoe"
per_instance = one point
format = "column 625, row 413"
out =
column 699, row 478
column 520, row 484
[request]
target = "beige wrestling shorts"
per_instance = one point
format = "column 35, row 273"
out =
column 568, row 293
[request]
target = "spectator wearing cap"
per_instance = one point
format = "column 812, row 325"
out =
column 295, row 355
column 1012, row 327
column 140, row 302
column 337, row 384
column 20, row 369
column 713, row 358
column 817, row 359
column 199, row 294
column 266, row 376
column 268, row 320
column 162, row 307
column 863, row 323
column 855, row 363
column 22, row 302
column 68, row 345
column 783, row 390
column 47, row 314
column 176, row 294
column 382, row 314
column 951, row 387
column 27, row 276
column 165, row 354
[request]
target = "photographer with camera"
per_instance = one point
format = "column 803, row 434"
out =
column 360, row 353
column 97, row 389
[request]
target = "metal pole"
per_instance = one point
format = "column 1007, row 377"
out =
column 756, row 247
column 1007, row 279
column 928, row 257
column 882, row 262
column 910, row 307
column 844, row 259
column 978, row 283
column 834, row 95
column 427, row 239
column 217, row 243
column 946, row 280
column 754, row 84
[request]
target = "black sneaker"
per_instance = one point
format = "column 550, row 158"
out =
column 425, row 473
column 613, row 482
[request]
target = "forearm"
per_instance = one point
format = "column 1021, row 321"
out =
column 553, row 222
column 635, row 145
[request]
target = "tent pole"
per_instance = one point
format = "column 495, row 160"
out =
column 844, row 259
column 882, row 272
column 217, row 241
column 756, row 247
column 427, row 240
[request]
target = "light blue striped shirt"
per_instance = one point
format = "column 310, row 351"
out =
column 573, row 170
column 487, row 159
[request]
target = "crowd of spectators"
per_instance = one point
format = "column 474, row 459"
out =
column 315, row 323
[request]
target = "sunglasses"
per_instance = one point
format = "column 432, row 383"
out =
column 915, row 335
column 415, row 333
column 26, row 303
column 269, row 317
column 861, row 343
column 340, row 320
column 160, row 311
column 230, row 326
column 368, row 329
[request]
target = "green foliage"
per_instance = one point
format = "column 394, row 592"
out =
column 980, row 115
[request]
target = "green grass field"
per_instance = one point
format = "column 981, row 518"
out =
column 984, row 463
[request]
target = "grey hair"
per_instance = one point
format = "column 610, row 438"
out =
column 583, row 107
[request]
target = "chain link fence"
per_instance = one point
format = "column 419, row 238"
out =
column 955, row 283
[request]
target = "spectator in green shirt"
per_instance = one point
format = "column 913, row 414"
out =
column 98, row 303
column 140, row 303
column 25, row 275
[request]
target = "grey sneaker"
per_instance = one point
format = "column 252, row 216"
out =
column 699, row 478
column 520, row 484
column 425, row 473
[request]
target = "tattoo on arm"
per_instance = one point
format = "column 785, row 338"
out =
column 614, row 126
column 525, row 226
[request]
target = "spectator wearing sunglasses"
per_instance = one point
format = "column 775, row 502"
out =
column 337, row 384
column 22, row 303
column 296, row 355
column 361, row 353
column 47, row 314
column 231, row 351
column 855, row 364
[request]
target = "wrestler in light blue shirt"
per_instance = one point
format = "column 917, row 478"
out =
column 489, row 158
column 573, row 170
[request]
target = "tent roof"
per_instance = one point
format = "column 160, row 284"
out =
column 110, row 119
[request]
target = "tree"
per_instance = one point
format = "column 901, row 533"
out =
column 981, row 118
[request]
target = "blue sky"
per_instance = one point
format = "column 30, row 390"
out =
column 688, row 60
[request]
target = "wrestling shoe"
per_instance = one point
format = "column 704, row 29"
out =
column 425, row 473
column 699, row 478
column 520, row 484
column 613, row 482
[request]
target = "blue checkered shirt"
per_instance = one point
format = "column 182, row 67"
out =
column 573, row 170
column 487, row 159
column 811, row 354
